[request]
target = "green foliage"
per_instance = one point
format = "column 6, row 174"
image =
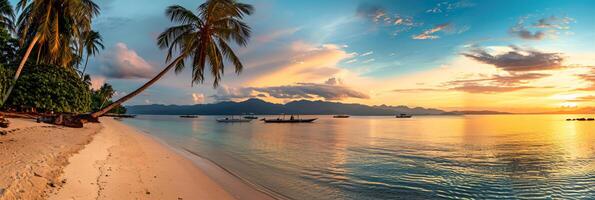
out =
column 5, row 80
column 102, row 97
column 48, row 88
column 8, row 48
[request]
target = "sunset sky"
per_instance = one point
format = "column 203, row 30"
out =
column 518, row 56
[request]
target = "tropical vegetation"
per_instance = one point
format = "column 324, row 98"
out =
column 102, row 97
column 46, row 49
column 202, row 39
column 53, row 30
column 47, row 88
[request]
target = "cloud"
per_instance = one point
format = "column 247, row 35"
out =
column 475, row 88
column 589, row 77
column 379, row 15
column 429, row 34
column 276, row 34
column 368, row 61
column 554, row 22
column 97, row 82
column 367, row 53
column 587, row 98
column 351, row 61
column 518, row 59
column 448, row 6
column 332, row 89
column 543, row 28
column 124, row 63
column 306, row 62
column 198, row 98
column 496, row 83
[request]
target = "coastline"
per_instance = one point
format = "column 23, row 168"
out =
column 122, row 162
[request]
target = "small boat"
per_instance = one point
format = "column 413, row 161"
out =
column 404, row 116
column 590, row 119
column 341, row 116
column 232, row 120
column 189, row 116
column 291, row 119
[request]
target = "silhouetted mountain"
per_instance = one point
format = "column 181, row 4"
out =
column 480, row 112
column 261, row 107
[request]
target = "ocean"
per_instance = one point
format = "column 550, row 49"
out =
column 381, row 157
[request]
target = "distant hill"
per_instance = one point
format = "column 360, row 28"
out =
column 480, row 112
column 260, row 107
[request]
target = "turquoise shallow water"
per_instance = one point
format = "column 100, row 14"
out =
column 429, row 157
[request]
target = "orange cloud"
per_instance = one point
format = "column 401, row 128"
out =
column 310, row 62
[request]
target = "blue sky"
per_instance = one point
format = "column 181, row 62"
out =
column 372, row 47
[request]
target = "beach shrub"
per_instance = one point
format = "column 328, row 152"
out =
column 46, row 88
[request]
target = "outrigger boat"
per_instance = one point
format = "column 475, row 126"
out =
column 403, row 116
column 232, row 119
column 291, row 119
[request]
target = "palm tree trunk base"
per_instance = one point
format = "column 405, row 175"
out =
column 88, row 118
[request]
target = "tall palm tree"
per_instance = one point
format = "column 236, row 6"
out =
column 92, row 42
column 202, row 39
column 6, row 16
column 52, row 26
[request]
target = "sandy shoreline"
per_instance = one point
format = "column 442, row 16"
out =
column 106, row 161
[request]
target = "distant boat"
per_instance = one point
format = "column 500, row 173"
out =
column 189, row 116
column 292, row 119
column 404, row 116
column 251, row 116
column 341, row 116
column 232, row 119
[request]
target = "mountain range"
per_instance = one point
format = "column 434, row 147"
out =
column 260, row 107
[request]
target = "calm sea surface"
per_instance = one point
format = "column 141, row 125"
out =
column 430, row 157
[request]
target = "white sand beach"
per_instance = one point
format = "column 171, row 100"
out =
column 105, row 161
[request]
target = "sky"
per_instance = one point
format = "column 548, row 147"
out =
column 516, row 56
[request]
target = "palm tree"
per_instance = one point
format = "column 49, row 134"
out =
column 6, row 16
column 92, row 42
column 52, row 26
column 200, row 38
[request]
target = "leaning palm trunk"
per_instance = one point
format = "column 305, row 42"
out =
column 20, row 69
column 136, row 92
column 84, row 68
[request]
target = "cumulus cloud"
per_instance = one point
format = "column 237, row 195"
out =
column 332, row 89
column 430, row 33
column 543, row 28
column 97, row 82
column 518, row 59
column 198, row 98
column 124, row 63
column 308, row 62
